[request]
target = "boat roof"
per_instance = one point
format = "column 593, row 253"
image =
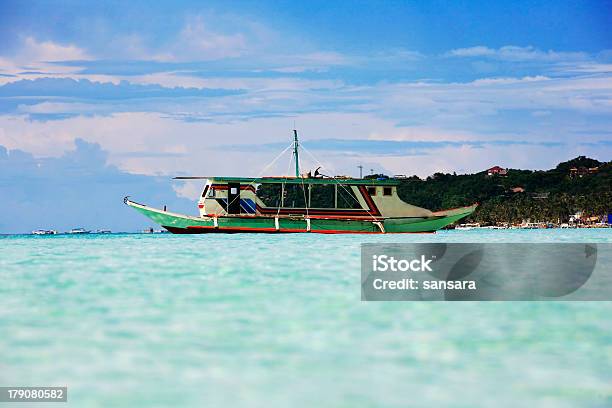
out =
column 296, row 180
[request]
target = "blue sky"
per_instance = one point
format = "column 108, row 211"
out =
column 163, row 89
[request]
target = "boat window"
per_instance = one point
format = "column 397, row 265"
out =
column 269, row 194
column 211, row 192
column 322, row 196
column 387, row 191
column 294, row 196
column 233, row 190
column 346, row 197
column 205, row 191
column 372, row 191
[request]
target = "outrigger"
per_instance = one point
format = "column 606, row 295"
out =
column 302, row 203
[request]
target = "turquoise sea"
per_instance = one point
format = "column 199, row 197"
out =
column 129, row 320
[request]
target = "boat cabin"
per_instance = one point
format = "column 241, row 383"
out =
column 304, row 196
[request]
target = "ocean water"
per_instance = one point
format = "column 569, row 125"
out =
column 128, row 320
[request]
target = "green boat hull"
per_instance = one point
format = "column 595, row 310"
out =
column 184, row 224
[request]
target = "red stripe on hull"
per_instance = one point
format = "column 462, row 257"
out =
column 198, row 229
column 282, row 230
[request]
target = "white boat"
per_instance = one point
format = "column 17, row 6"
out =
column 532, row 225
column 79, row 231
column 44, row 232
column 468, row 226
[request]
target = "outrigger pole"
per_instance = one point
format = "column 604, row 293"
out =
column 295, row 153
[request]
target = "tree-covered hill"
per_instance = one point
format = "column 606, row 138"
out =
column 551, row 195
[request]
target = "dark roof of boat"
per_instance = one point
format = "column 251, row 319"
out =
column 296, row 180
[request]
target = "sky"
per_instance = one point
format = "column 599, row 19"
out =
column 99, row 100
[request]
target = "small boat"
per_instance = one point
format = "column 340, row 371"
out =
column 102, row 231
column 532, row 225
column 79, row 231
column 467, row 227
column 44, row 232
column 304, row 203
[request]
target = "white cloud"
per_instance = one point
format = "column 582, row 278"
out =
column 37, row 56
column 478, row 51
column 58, row 108
column 587, row 68
column 197, row 41
column 459, row 105
column 466, row 159
column 188, row 189
column 501, row 81
column 174, row 79
column 516, row 53
column 33, row 50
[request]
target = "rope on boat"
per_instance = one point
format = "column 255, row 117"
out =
column 375, row 222
column 379, row 225
column 261, row 173
column 306, row 205
column 282, row 195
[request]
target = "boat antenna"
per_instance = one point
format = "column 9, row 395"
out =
column 295, row 153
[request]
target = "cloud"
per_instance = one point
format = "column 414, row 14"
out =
column 206, row 36
column 85, row 89
column 478, row 51
column 587, row 68
column 33, row 50
column 505, row 81
column 198, row 41
column 388, row 147
column 57, row 98
column 76, row 189
column 32, row 58
column 516, row 53
column 598, row 143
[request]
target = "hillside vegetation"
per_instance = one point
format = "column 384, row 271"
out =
column 551, row 195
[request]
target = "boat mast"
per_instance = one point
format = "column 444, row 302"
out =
column 295, row 153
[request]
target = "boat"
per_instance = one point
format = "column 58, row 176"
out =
column 102, row 231
column 532, row 225
column 467, row 227
column 303, row 203
column 79, row 231
column 44, row 232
